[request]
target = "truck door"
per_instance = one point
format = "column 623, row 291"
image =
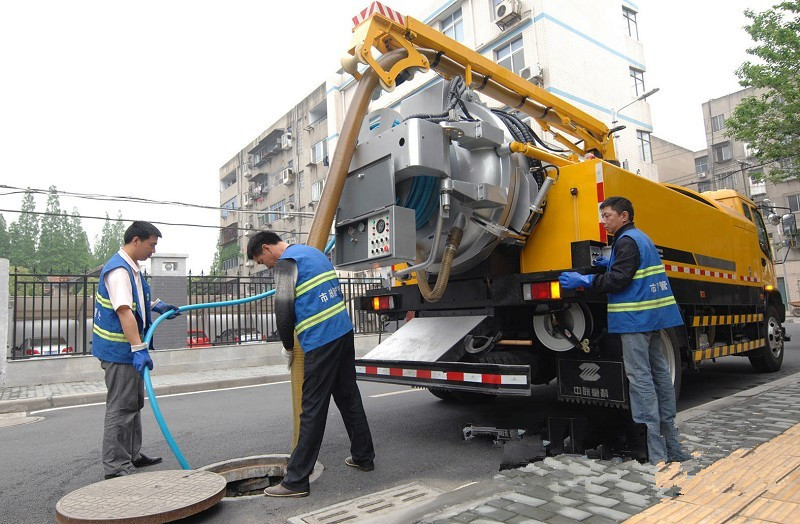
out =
column 766, row 270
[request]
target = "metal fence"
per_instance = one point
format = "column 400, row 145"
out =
column 52, row 315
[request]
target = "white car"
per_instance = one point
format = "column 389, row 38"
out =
column 32, row 347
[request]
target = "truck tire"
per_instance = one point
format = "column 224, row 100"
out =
column 770, row 357
column 672, row 352
column 442, row 394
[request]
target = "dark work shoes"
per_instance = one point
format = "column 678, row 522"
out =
column 364, row 466
column 123, row 473
column 279, row 491
column 143, row 461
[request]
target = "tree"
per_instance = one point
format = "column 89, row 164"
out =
column 54, row 248
column 80, row 252
column 216, row 264
column 110, row 240
column 25, row 233
column 770, row 120
column 5, row 244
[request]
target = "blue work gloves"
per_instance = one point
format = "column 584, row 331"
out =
column 162, row 307
column 141, row 359
column 601, row 261
column 573, row 280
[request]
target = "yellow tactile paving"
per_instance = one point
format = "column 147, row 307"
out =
column 748, row 486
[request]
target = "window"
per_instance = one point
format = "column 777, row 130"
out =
column 316, row 190
column 717, row 123
column 703, row 186
column 645, row 148
column 727, row 180
column 763, row 238
column 229, row 207
column 630, row 22
column 263, row 219
column 511, row 56
column 793, row 202
column 453, row 26
column 722, row 152
column 747, row 213
column 701, row 164
column 230, row 263
column 276, row 210
column 637, row 81
column 318, row 152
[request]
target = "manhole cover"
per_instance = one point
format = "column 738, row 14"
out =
column 159, row 496
column 248, row 476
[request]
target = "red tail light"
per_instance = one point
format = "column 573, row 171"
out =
column 541, row 291
column 31, row 352
column 384, row 302
column 68, row 349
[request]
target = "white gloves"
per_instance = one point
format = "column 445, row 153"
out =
column 288, row 354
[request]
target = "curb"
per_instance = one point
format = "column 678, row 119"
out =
column 61, row 401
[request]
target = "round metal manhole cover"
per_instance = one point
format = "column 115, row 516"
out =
column 158, row 496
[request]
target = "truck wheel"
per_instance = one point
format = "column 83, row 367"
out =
column 770, row 357
column 672, row 352
column 442, row 394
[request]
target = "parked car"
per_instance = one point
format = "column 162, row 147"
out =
column 197, row 338
column 239, row 336
column 45, row 346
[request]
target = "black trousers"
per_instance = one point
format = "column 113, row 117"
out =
column 329, row 370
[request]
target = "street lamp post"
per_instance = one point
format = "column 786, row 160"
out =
column 615, row 112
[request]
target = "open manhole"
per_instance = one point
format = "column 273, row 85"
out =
column 249, row 476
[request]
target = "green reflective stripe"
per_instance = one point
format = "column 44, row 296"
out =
column 646, row 272
column 319, row 317
column 109, row 335
column 106, row 303
column 314, row 282
column 641, row 306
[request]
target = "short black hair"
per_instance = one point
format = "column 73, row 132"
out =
column 619, row 204
column 262, row 237
column 141, row 229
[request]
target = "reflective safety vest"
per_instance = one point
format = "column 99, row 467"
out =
column 108, row 339
column 647, row 303
column 319, row 308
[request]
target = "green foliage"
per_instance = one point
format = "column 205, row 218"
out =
column 216, row 264
column 54, row 248
column 770, row 120
column 80, row 253
column 5, row 243
column 110, row 240
column 25, row 233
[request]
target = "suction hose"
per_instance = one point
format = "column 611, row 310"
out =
column 148, row 383
column 450, row 248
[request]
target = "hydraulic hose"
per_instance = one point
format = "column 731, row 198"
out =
column 450, row 248
column 148, row 383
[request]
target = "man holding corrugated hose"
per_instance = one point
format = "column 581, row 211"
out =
column 309, row 303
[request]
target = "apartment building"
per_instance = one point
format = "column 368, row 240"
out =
column 595, row 62
column 726, row 163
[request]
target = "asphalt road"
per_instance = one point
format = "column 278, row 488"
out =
column 417, row 439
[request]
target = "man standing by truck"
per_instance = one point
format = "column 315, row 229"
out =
column 640, row 304
column 121, row 318
column 309, row 302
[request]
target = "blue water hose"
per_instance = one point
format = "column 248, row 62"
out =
column 148, row 383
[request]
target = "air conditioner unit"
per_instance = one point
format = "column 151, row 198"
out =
column 246, row 200
column 533, row 73
column 287, row 176
column 702, row 174
column 286, row 141
column 290, row 206
column 506, row 13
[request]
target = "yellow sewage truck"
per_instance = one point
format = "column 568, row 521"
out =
column 476, row 215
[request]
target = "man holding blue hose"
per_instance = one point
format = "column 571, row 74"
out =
column 309, row 302
column 121, row 318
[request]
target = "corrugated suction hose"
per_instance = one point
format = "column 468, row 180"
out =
column 450, row 248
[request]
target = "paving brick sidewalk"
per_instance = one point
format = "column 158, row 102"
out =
column 30, row 398
column 573, row 489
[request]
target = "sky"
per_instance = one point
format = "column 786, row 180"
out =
column 150, row 98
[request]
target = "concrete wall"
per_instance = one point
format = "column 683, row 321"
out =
column 52, row 370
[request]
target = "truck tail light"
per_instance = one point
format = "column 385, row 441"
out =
column 542, row 291
column 385, row 302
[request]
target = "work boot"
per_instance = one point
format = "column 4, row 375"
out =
column 364, row 466
column 143, row 461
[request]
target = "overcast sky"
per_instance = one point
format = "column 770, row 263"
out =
column 150, row 98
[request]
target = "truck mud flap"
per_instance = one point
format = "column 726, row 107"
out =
column 592, row 382
column 492, row 379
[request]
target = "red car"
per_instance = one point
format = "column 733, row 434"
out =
column 197, row 338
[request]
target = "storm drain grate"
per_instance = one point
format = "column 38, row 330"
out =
column 370, row 506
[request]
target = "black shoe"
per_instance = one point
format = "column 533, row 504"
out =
column 122, row 473
column 143, row 461
column 364, row 466
column 279, row 491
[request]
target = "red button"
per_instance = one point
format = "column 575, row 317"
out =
column 386, row 248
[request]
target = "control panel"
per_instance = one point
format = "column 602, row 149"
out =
column 378, row 239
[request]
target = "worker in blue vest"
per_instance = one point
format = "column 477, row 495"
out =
column 121, row 319
column 640, row 304
column 309, row 303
